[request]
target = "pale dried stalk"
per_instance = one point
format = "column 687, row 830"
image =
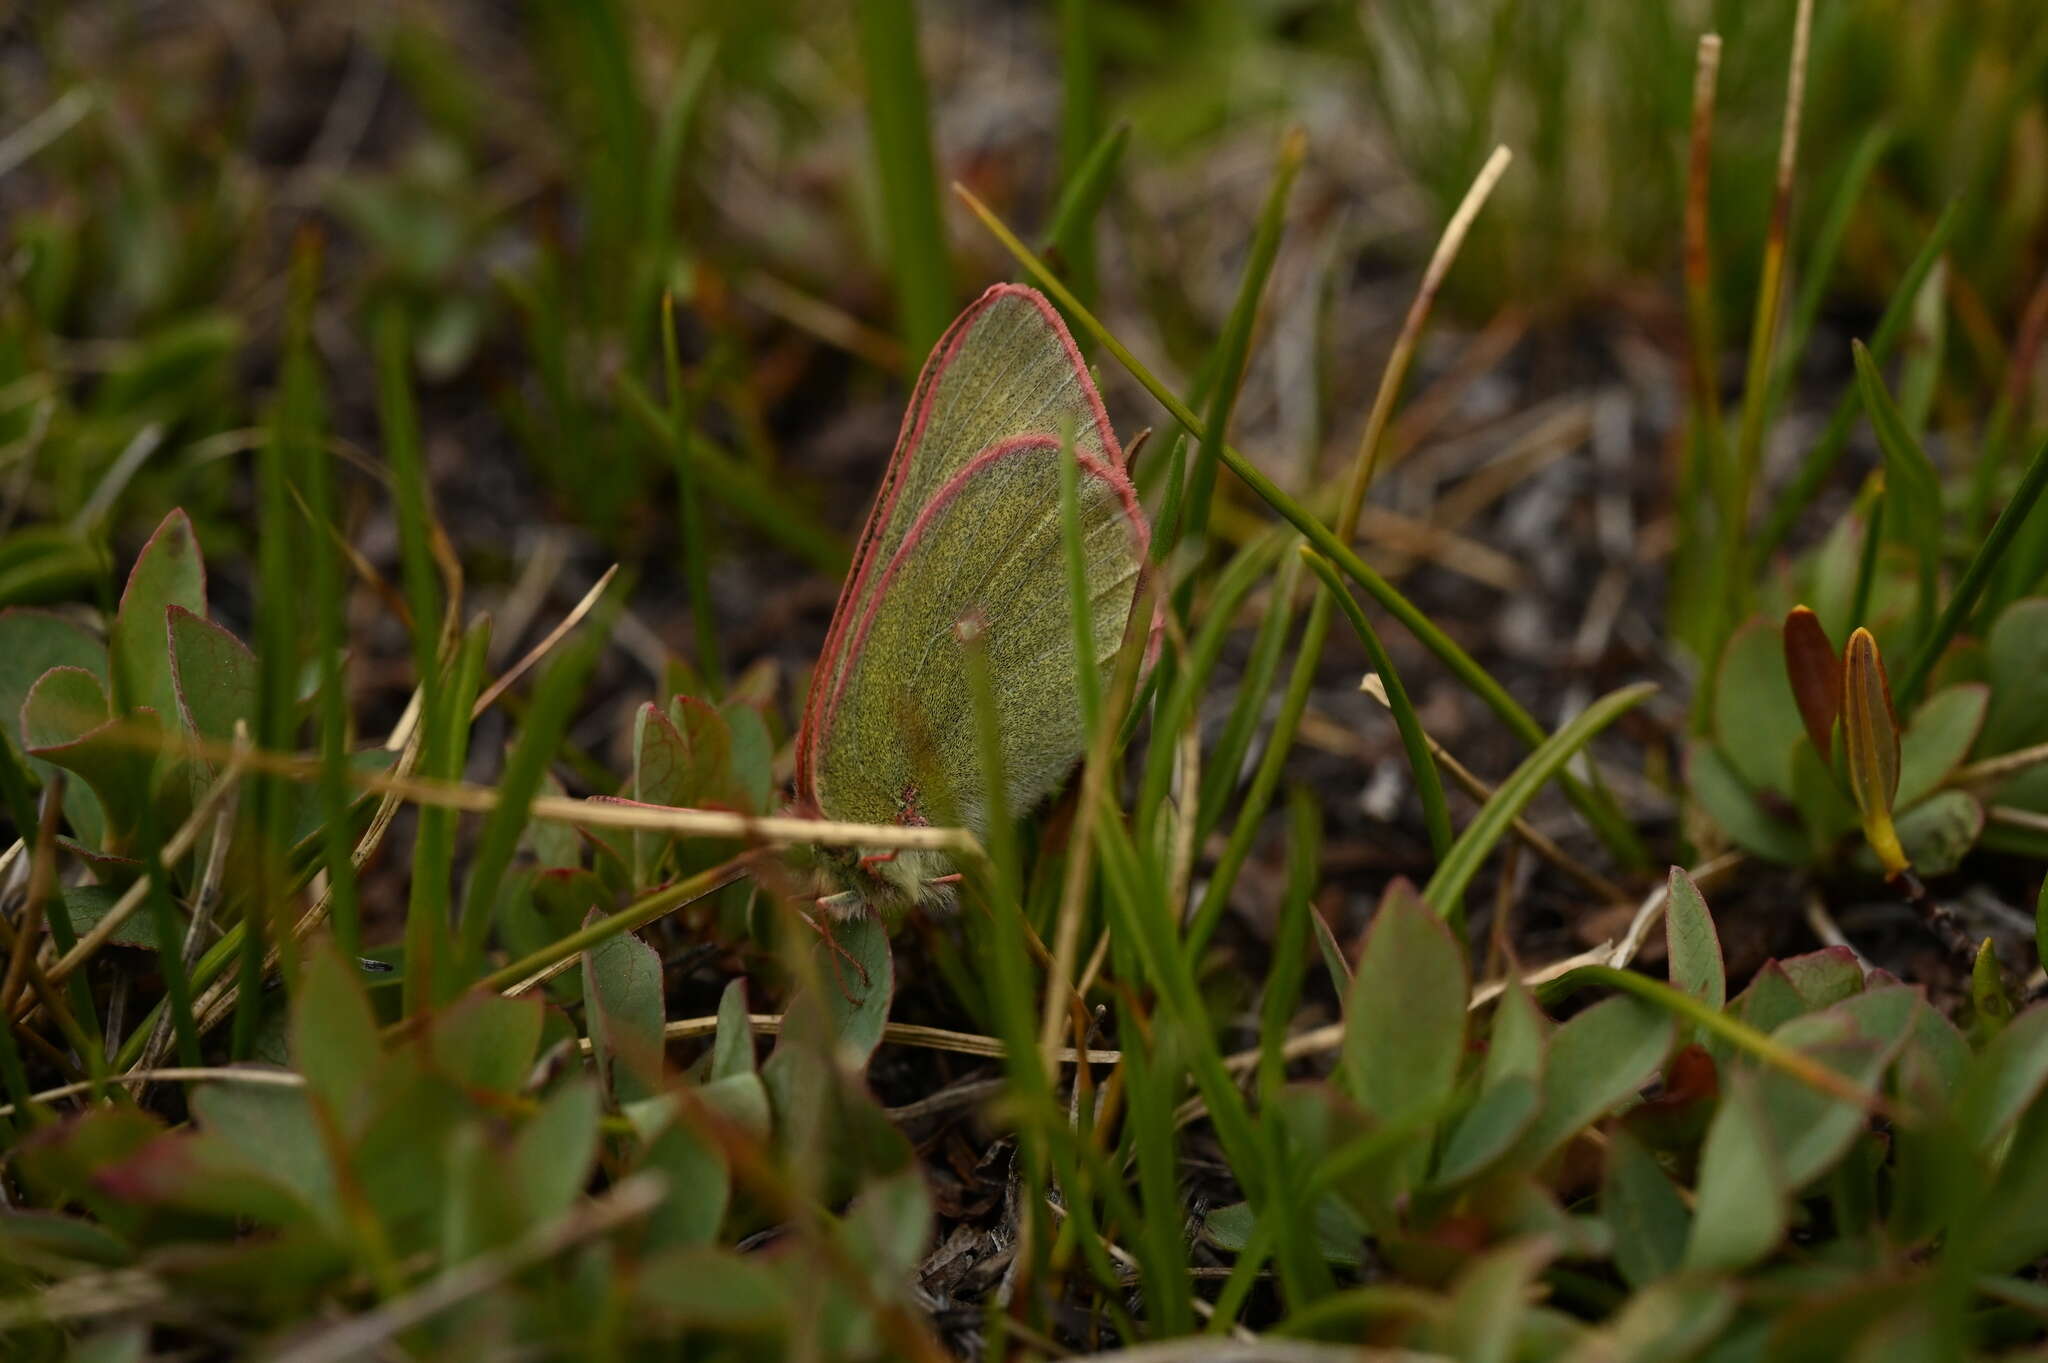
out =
column 132, row 898
column 901, row 1033
column 231, row 1074
column 540, row 650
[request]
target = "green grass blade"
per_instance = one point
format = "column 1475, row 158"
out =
column 722, row 475
column 1191, row 671
column 1174, row 502
column 1138, row 908
column 1866, row 558
column 410, row 498
column 1912, row 488
column 546, row 723
column 270, row 905
column 1788, row 505
column 1225, row 758
column 690, row 511
column 431, row 959
column 1290, row 941
column 1151, row 1094
column 1600, row 812
column 170, row 944
column 1234, row 346
column 1265, row 781
column 1971, row 585
column 1820, row 263
column 330, row 645
column 1447, row 887
column 1082, row 142
column 1429, row 785
column 901, row 128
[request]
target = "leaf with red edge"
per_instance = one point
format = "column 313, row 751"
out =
column 65, row 722
column 214, row 675
column 31, row 643
column 486, row 1042
column 708, row 738
column 168, row 572
column 1870, row 746
column 1815, row 671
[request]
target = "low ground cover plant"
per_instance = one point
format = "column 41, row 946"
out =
column 470, row 894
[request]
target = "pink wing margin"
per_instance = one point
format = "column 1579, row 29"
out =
column 908, row 439
column 1141, row 534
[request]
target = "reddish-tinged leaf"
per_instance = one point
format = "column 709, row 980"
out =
column 1815, row 671
column 1872, row 732
column 1870, row 740
column 334, row 1034
column 213, row 673
column 168, row 572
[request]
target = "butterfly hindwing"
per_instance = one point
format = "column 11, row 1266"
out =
column 985, row 558
column 1007, row 368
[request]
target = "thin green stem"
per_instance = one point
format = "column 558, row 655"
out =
column 1429, row 785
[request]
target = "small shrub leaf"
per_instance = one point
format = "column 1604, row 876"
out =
column 334, row 1039
column 551, row 1158
column 622, row 986
column 485, row 1041
column 214, row 676
column 1596, row 1061
column 1694, row 946
column 168, row 572
column 31, row 643
column 732, row 1049
column 1405, row 1021
column 2005, row 1079
column 1721, row 792
column 1814, row 671
column 1740, row 1212
column 1644, row 1210
column 2016, row 656
column 1939, row 739
column 1756, row 720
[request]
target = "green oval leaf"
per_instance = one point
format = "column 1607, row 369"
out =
column 1740, row 1213
column 1939, row 738
column 168, row 572
column 1404, row 1026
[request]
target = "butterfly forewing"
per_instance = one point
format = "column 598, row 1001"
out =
column 987, row 559
column 1007, row 368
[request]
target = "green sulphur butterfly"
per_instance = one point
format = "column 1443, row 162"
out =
column 965, row 542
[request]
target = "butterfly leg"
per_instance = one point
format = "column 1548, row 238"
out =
column 835, row 953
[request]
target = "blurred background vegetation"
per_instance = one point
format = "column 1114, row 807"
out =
column 446, row 244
